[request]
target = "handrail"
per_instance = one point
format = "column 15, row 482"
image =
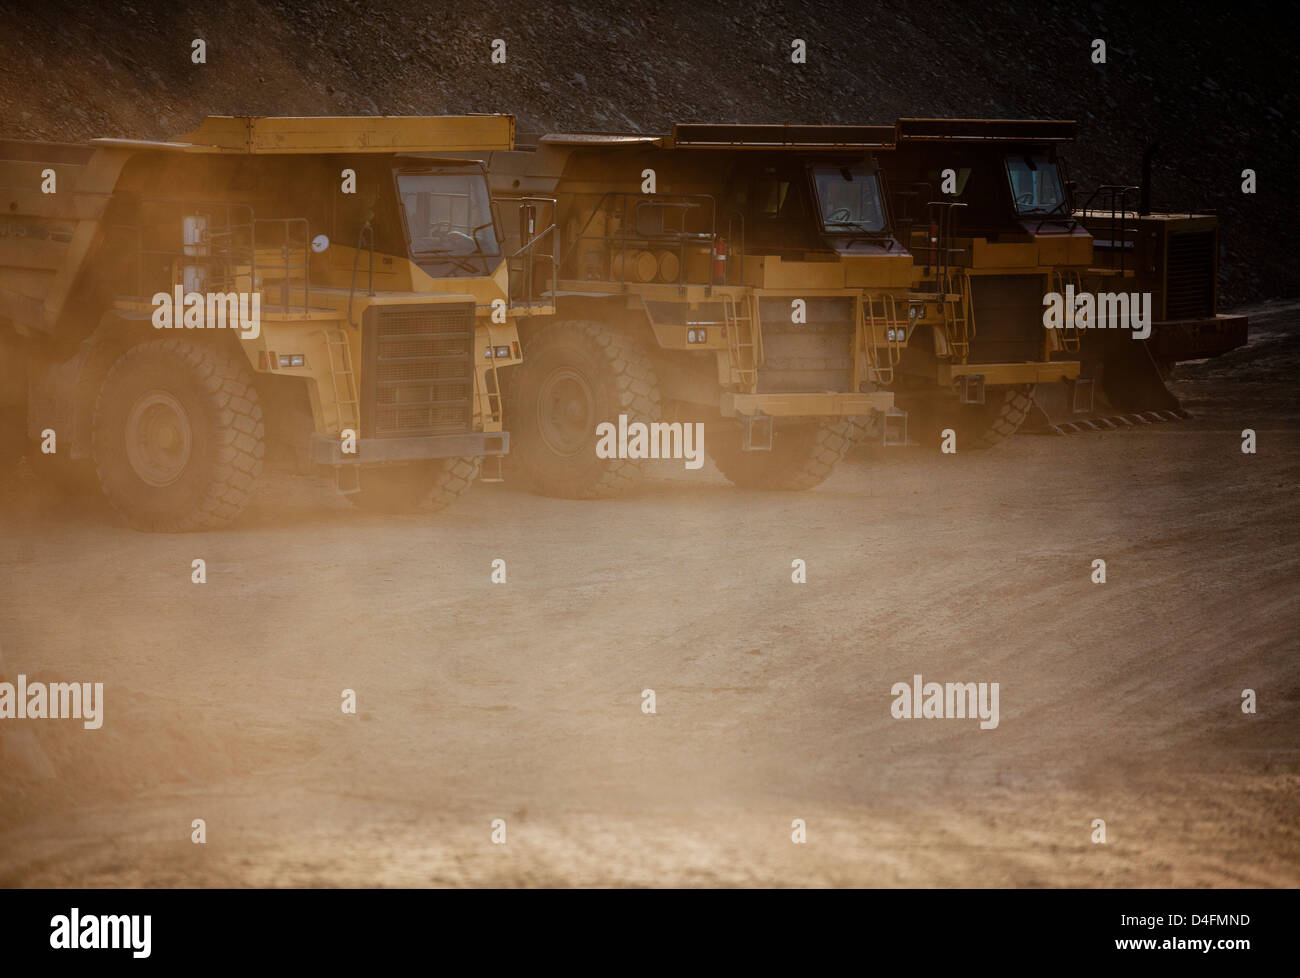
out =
column 734, row 213
column 366, row 229
column 1117, row 196
column 623, row 237
column 286, row 251
column 944, row 234
column 231, row 246
column 227, row 231
column 552, row 230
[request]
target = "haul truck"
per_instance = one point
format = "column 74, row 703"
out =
column 370, row 247
column 744, row 277
column 1007, row 235
column 987, row 215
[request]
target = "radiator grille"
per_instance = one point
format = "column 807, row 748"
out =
column 419, row 370
column 1189, row 283
column 807, row 357
column 1008, row 318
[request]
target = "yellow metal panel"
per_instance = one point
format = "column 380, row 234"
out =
column 807, row 405
column 64, row 205
column 223, row 132
column 879, row 271
column 353, row 134
column 987, row 254
column 773, row 273
column 32, row 253
column 1053, row 251
column 1002, row 374
column 1057, row 250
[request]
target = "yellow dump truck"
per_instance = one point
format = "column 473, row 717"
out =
column 317, row 292
column 740, row 277
column 997, row 236
column 984, row 210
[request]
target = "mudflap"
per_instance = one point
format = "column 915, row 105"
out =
column 1120, row 387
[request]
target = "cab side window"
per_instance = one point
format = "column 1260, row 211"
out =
column 769, row 197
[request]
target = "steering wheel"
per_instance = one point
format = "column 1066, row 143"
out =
column 840, row 215
column 1026, row 198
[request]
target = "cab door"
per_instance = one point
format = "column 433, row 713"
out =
column 773, row 198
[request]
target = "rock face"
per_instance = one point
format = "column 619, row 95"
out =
column 1212, row 89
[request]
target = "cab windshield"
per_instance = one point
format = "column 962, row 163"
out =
column 448, row 213
column 849, row 199
column 1035, row 184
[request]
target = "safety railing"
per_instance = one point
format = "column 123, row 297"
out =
column 1069, row 332
column 521, row 264
column 293, row 269
column 634, row 224
column 879, row 318
column 1121, row 239
column 744, row 340
column 219, row 251
column 364, row 236
column 735, row 220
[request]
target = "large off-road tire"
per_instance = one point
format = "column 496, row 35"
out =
column 178, row 435
column 978, row 426
column 802, row 456
column 1002, row 418
column 428, row 486
column 576, row 375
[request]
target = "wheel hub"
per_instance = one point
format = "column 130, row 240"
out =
column 159, row 438
column 566, row 411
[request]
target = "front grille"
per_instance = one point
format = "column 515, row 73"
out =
column 1189, row 282
column 418, row 377
column 807, row 357
column 1008, row 318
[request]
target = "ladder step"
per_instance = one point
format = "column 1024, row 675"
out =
column 490, row 470
column 898, row 438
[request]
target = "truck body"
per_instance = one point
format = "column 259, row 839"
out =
column 989, row 224
column 370, row 248
column 742, row 277
column 1011, row 235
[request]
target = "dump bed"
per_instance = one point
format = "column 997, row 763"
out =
column 55, row 194
column 45, row 236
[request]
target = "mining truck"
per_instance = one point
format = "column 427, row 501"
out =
column 737, row 276
column 994, row 227
column 327, row 294
column 986, row 214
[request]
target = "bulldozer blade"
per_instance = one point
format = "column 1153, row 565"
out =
column 1126, row 390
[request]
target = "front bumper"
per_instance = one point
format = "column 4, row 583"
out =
column 830, row 404
column 1009, row 374
column 329, row 451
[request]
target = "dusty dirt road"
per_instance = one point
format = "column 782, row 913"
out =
column 522, row 701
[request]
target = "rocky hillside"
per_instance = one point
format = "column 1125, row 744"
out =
column 1215, row 89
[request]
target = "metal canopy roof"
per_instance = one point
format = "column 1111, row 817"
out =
column 599, row 139
column 990, row 130
column 345, row 134
column 709, row 136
